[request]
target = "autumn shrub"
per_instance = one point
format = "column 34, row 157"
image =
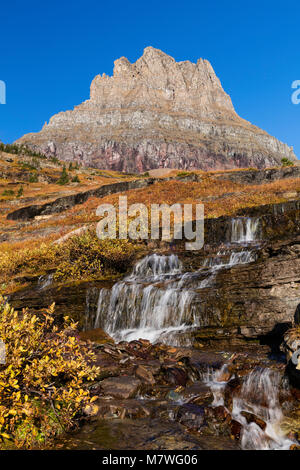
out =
column 44, row 381
column 27, row 260
column 86, row 256
column 80, row 257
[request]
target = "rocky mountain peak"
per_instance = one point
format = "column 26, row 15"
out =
column 156, row 79
column 158, row 113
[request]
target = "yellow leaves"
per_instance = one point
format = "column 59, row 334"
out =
column 5, row 435
column 14, row 384
column 45, row 366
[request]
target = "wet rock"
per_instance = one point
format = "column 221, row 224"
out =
column 154, row 366
column 173, row 442
column 291, row 346
column 192, row 416
column 144, row 374
column 139, row 348
column 251, row 418
column 108, row 366
column 198, row 393
column 200, row 361
column 236, row 429
column 176, row 376
column 97, row 336
column 132, row 409
column 121, row 387
column 231, row 389
column 218, row 421
column 173, row 395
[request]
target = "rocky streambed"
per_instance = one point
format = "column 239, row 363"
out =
column 161, row 397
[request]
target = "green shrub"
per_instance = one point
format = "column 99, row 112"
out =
column 20, row 191
column 286, row 162
column 64, row 177
column 20, row 150
column 33, row 178
column 75, row 179
column 8, row 192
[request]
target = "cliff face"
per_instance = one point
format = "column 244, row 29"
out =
column 158, row 113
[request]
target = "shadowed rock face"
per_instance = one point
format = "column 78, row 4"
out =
column 157, row 113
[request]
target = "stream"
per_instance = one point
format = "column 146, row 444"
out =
column 192, row 394
column 158, row 301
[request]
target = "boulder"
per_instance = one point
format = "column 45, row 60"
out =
column 123, row 387
column 144, row 374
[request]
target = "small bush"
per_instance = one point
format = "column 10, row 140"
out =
column 43, row 383
column 286, row 162
column 86, row 256
column 182, row 174
column 64, row 177
column 75, row 179
column 20, row 191
column 55, row 160
column 80, row 257
column 33, row 178
column 8, row 192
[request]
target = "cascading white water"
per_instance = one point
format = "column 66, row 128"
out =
column 45, row 281
column 259, row 396
column 155, row 265
column 148, row 303
column 215, row 380
column 223, row 259
column 157, row 300
column 245, row 229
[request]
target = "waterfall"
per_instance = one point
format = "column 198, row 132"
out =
column 158, row 300
column 215, row 380
column 155, row 265
column 45, row 281
column 150, row 303
column 245, row 229
column 259, row 396
column 227, row 259
column 259, row 399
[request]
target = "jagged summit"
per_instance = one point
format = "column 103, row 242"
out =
column 158, row 113
column 157, row 80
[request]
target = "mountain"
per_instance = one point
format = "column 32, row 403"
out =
column 158, row 113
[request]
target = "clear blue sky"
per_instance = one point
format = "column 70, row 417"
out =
column 50, row 52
